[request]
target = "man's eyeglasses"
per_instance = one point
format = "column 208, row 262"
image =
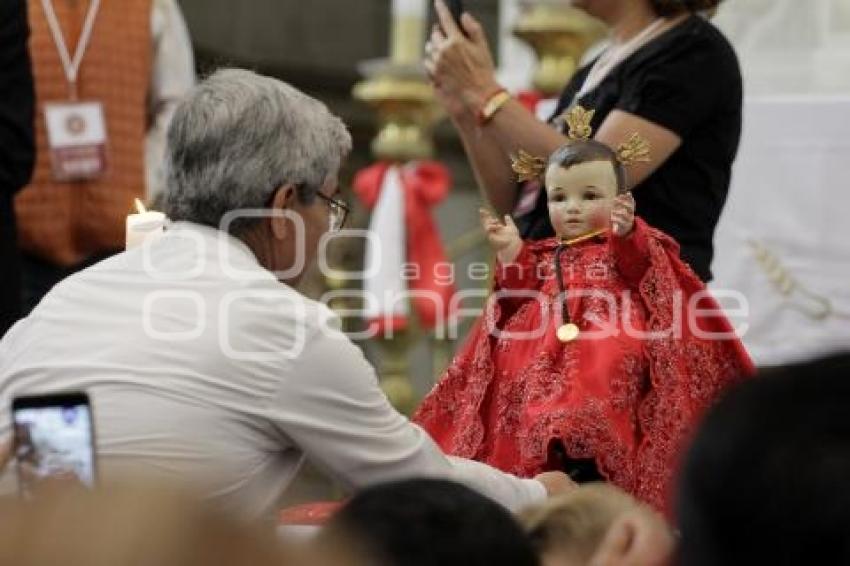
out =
column 338, row 210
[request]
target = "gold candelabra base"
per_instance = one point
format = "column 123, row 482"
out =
column 406, row 109
column 559, row 35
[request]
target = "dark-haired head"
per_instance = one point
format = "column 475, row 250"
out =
column 669, row 8
column 612, row 12
column 765, row 480
column 428, row 522
column 587, row 151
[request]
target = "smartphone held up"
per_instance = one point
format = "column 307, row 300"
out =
column 53, row 441
column 456, row 10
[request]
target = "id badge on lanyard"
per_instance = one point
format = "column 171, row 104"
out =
column 76, row 135
column 76, row 130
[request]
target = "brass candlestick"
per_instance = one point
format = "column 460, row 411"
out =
column 406, row 109
column 559, row 35
column 405, row 106
column 397, row 89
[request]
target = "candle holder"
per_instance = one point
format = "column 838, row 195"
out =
column 559, row 35
column 143, row 225
column 397, row 89
column 405, row 105
column 406, row 113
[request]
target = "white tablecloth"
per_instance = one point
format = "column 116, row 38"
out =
column 787, row 222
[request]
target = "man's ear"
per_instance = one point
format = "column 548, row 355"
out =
column 282, row 201
column 635, row 537
column 617, row 543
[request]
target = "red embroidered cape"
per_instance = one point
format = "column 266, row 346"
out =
column 625, row 399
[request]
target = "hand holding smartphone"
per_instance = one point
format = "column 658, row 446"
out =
column 456, row 10
column 53, row 440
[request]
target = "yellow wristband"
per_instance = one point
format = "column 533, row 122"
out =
column 493, row 105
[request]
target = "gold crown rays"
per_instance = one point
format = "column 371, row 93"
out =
column 526, row 166
column 578, row 120
column 635, row 149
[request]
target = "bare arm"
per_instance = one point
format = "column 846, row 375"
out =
column 489, row 148
column 462, row 69
column 332, row 408
column 490, row 164
column 663, row 143
column 463, row 74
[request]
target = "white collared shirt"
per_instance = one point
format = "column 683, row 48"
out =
column 201, row 366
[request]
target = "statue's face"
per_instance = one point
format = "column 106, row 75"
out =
column 580, row 197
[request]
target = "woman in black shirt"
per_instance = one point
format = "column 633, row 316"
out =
column 17, row 147
column 669, row 75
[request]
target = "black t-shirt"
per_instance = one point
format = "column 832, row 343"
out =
column 688, row 81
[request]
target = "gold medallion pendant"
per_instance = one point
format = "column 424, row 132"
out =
column 567, row 332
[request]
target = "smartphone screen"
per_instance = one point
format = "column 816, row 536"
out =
column 54, row 439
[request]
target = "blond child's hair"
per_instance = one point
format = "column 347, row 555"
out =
column 574, row 524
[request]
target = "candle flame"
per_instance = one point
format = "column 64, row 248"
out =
column 140, row 206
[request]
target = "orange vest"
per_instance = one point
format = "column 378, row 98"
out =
column 65, row 223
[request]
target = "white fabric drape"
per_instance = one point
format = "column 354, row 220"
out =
column 384, row 285
column 789, row 46
column 783, row 238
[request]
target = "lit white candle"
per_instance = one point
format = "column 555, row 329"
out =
column 407, row 36
column 143, row 225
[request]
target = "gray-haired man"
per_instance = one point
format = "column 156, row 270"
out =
column 203, row 362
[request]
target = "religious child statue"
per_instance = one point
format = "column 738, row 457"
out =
column 599, row 349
